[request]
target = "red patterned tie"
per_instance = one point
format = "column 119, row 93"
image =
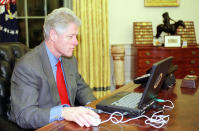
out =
column 61, row 85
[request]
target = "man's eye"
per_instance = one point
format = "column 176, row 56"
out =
column 70, row 36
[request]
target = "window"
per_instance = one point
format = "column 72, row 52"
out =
column 31, row 15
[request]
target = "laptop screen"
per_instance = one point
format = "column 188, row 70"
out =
column 154, row 83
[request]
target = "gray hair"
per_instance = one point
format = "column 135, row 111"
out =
column 59, row 19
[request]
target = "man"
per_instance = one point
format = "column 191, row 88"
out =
column 166, row 19
column 37, row 97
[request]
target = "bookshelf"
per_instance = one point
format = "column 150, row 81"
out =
column 142, row 33
column 187, row 33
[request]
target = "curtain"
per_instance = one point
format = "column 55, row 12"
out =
column 8, row 22
column 93, row 50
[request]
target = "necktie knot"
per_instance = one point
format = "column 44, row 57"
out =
column 58, row 63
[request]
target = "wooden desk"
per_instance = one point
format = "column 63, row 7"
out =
column 184, row 116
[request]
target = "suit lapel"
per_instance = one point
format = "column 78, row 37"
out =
column 48, row 71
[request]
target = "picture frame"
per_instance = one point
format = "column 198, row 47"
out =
column 172, row 41
column 161, row 3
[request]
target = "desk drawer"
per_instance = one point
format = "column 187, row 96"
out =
column 192, row 62
column 159, row 54
column 191, row 71
column 192, row 53
column 146, row 63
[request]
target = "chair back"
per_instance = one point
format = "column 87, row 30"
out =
column 9, row 53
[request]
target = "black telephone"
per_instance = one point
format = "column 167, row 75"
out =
column 168, row 83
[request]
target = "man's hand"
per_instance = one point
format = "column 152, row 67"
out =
column 79, row 115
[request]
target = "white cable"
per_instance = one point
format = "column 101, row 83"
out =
column 168, row 107
column 114, row 119
column 157, row 121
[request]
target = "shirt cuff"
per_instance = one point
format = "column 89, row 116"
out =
column 55, row 112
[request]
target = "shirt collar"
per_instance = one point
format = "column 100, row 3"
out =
column 52, row 58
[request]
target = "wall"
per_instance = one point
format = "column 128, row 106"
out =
column 122, row 14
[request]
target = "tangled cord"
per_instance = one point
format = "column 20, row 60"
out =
column 157, row 121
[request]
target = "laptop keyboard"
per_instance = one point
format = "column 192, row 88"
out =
column 131, row 100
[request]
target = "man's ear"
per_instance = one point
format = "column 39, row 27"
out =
column 53, row 35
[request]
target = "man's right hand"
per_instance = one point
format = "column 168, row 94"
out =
column 79, row 115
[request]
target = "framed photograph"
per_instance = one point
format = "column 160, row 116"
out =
column 161, row 3
column 172, row 41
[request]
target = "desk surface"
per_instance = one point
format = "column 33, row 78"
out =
column 184, row 116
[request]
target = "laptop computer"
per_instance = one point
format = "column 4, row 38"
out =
column 134, row 104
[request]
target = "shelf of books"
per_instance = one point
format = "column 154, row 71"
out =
column 142, row 33
column 187, row 33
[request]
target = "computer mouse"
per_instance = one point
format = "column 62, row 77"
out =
column 94, row 121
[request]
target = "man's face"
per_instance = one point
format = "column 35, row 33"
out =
column 64, row 43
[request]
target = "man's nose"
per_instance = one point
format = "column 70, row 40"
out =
column 75, row 42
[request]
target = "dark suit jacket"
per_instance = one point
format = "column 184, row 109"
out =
column 34, row 91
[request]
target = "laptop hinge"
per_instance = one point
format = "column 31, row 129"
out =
column 148, row 105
